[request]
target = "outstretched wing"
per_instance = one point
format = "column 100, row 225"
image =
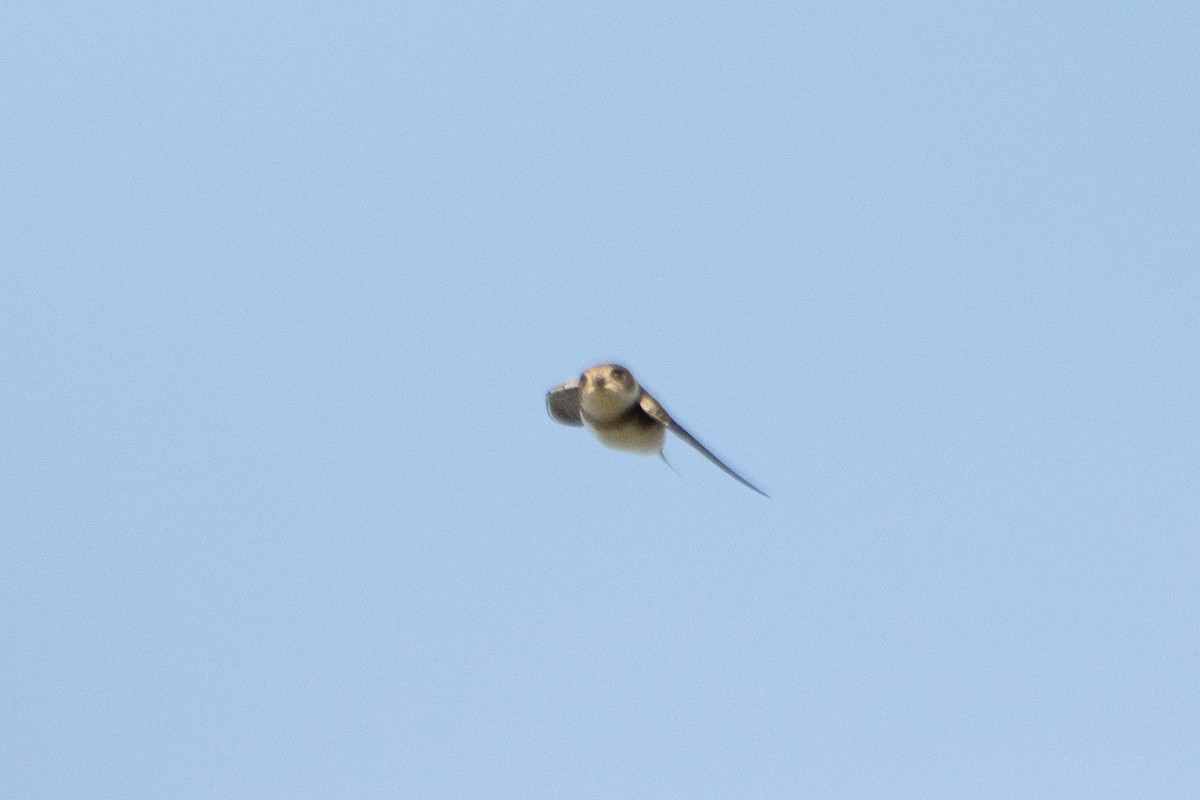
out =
column 658, row 413
column 563, row 404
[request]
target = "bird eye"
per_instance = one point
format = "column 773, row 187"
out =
column 618, row 373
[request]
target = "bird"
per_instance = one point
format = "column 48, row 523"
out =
column 609, row 401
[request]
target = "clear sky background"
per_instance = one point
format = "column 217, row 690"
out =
column 283, row 515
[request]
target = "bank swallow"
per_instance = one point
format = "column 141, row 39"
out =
column 610, row 403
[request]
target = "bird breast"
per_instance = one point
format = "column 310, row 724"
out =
column 637, row 434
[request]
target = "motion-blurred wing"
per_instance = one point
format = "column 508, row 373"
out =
column 563, row 404
column 658, row 413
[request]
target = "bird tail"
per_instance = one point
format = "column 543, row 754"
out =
column 663, row 456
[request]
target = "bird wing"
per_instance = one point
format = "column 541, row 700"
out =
column 659, row 414
column 563, row 404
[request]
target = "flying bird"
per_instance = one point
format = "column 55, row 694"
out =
column 612, row 405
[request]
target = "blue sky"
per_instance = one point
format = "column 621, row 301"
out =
column 282, row 291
